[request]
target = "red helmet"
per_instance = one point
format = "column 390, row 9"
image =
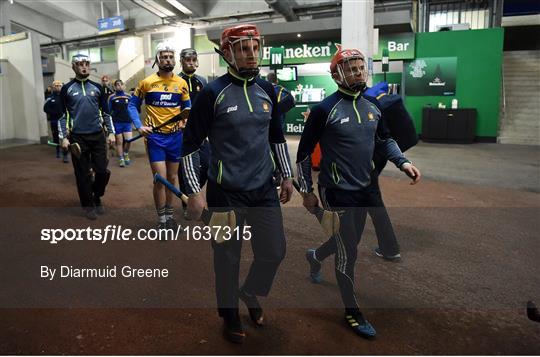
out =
column 231, row 34
column 344, row 55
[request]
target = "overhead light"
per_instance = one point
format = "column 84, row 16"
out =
column 154, row 8
column 298, row 35
column 180, row 7
column 144, row 5
column 154, row 4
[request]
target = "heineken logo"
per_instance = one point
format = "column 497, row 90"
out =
column 294, row 128
column 303, row 51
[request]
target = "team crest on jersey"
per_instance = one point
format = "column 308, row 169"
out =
column 370, row 116
column 175, row 88
column 266, row 107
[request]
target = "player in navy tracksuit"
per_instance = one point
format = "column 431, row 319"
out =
column 54, row 109
column 85, row 105
column 190, row 63
column 401, row 127
column 349, row 129
column 118, row 107
column 238, row 113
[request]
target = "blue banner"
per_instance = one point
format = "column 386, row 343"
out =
column 111, row 24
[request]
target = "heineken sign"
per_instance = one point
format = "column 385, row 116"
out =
column 299, row 53
column 433, row 76
column 400, row 46
column 303, row 53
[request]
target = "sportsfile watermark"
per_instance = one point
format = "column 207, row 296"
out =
column 122, row 234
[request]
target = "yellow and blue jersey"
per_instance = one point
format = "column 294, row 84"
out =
column 164, row 98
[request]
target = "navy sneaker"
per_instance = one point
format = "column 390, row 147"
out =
column 360, row 325
column 314, row 267
column 90, row 213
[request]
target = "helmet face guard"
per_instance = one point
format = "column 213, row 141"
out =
column 249, row 51
column 244, row 43
column 349, row 70
column 189, row 60
column 78, row 64
column 353, row 74
column 164, row 47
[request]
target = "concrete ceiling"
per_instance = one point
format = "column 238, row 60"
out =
column 314, row 19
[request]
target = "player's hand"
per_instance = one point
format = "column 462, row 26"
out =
column 195, row 206
column 65, row 144
column 286, row 190
column 411, row 171
column 311, row 202
column 111, row 139
column 145, row 130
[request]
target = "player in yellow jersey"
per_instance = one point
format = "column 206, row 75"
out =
column 165, row 94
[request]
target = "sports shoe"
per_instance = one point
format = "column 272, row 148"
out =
column 387, row 257
column 254, row 308
column 233, row 330
column 314, row 267
column 360, row 325
column 91, row 214
column 162, row 225
column 127, row 160
column 121, row 163
column 99, row 207
column 170, row 223
column 65, row 158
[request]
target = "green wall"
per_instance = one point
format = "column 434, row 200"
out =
column 479, row 54
column 391, row 77
column 202, row 44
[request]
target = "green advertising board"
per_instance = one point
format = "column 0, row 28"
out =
column 308, row 91
column 431, row 76
column 400, row 46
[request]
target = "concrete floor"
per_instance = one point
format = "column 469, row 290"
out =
column 470, row 262
column 496, row 165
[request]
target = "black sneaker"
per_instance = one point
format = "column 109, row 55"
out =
column 91, row 214
column 99, row 207
column 314, row 267
column 170, row 223
column 387, row 257
column 162, row 225
column 233, row 330
column 254, row 308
